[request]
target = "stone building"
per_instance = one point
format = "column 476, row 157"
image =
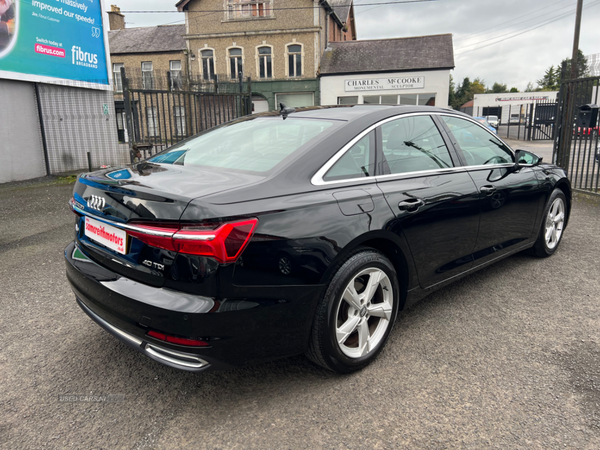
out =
column 402, row 71
column 279, row 46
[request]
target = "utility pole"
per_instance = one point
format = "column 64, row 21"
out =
column 574, row 73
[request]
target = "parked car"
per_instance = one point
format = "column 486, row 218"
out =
column 485, row 123
column 493, row 121
column 302, row 232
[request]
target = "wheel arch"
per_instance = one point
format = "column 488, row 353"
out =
column 565, row 186
column 387, row 243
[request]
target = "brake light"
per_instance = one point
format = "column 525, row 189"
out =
column 225, row 243
column 177, row 340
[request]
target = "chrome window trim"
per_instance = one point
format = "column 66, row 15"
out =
column 317, row 178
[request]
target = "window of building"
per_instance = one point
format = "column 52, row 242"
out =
column 208, row 64
column 408, row 99
column 118, row 82
column 294, row 60
column 147, row 75
column 236, row 68
column 265, row 62
column 296, row 100
column 427, row 99
column 413, row 144
column 380, row 99
column 349, row 100
column 175, row 69
column 152, row 120
column 179, row 116
column 248, row 9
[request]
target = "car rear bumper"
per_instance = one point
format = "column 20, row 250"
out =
column 259, row 324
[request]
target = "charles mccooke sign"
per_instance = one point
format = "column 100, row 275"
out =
column 384, row 84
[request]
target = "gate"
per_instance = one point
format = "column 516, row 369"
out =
column 527, row 122
column 160, row 112
column 576, row 147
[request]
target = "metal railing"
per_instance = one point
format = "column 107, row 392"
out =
column 576, row 146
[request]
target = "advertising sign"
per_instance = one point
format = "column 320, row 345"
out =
column 52, row 41
column 381, row 84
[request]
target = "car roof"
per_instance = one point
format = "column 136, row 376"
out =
column 354, row 112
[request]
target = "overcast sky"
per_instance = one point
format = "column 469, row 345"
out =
column 475, row 24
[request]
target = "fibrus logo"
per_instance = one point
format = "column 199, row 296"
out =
column 81, row 58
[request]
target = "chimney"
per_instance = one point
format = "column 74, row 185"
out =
column 116, row 20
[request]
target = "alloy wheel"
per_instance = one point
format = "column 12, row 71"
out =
column 555, row 223
column 364, row 313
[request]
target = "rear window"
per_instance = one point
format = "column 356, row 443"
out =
column 256, row 145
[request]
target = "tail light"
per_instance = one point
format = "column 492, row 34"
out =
column 224, row 242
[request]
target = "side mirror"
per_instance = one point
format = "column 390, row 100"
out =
column 525, row 158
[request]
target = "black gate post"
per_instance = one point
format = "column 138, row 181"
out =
column 128, row 115
column 530, row 122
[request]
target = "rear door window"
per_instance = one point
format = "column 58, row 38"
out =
column 414, row 144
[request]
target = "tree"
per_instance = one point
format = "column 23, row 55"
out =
column 498, row 88
column 583, row 70
column 529, row 87
column 550, row 80
column 452, row 93
column 514, row 89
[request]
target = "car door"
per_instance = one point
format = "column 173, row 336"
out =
column 434, row 200
column 509, row 199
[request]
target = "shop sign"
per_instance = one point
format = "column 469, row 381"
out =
column 384, row 84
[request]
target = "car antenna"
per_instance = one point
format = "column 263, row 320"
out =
column 285, row 110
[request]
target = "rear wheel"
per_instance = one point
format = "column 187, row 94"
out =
column 356, row 315
column 553, row 224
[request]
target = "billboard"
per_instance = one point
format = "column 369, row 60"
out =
column 53, row 41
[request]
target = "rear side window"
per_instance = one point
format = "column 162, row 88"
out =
column 414, row 144
column 255, row 145
column 479, row 147
column 357, row 162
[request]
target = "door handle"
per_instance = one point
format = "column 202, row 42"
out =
column 411, row 205
column 488, row 190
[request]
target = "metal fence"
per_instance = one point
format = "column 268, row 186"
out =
column 157, row 112
column 576, row 147
column 528, row 122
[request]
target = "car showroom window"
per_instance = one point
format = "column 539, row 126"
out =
column 413, row 144
column 357, row 162
column 255, row 145
column 479, row 146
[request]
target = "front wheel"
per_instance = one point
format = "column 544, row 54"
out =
column 356, row 315
column 553, row 225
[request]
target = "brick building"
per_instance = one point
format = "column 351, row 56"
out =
column 278, row 45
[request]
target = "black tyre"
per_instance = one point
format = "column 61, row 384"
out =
column 553, row 225
column 356, row 314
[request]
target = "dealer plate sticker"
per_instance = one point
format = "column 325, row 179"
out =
column 107, row 235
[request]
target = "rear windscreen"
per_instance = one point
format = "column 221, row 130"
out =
column 256, row 145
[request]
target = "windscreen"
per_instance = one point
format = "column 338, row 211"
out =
column 256, row 145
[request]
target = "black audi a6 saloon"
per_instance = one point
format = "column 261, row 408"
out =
column 302, row 232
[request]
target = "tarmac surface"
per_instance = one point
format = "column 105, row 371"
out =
column 506, row 358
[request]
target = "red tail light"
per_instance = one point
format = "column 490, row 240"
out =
column 177, row 340
column 225, row 242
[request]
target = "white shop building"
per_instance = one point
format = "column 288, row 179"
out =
column 404, row 71
column 510, row 106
